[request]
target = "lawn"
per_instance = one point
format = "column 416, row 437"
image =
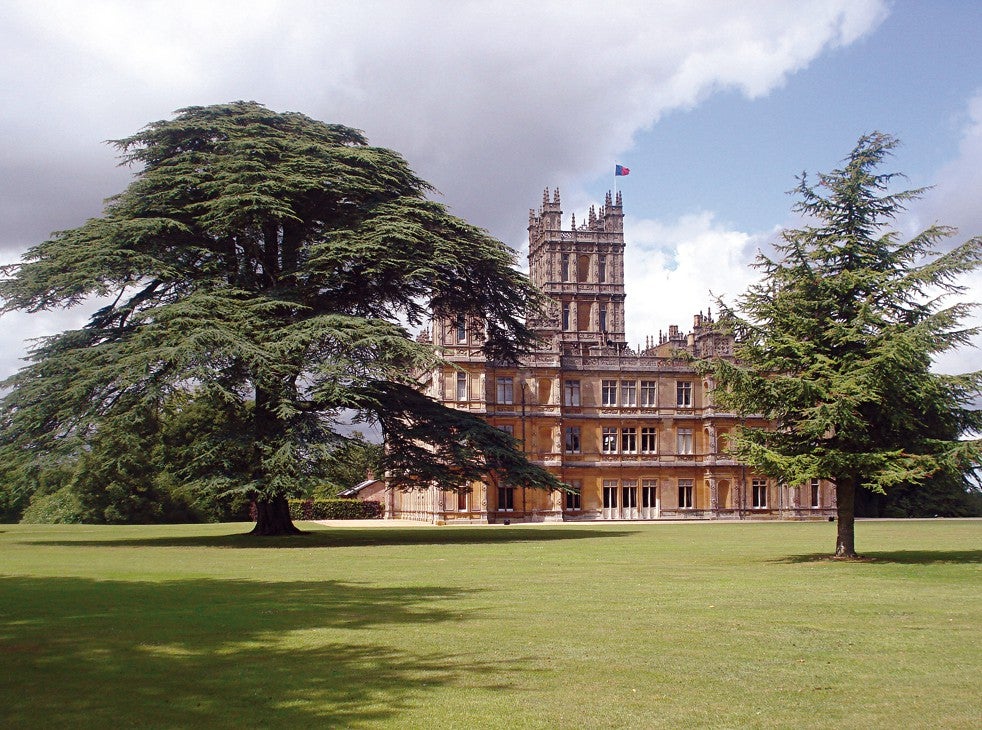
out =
column 614, row 625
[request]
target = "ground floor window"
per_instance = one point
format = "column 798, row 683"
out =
column 506, row 499
column 685, row 494
column 758, row 489
column 649, row 492
column 610, row 493
column 815, row 493
column 462, row 500
column 629, row 494
column 573, row 497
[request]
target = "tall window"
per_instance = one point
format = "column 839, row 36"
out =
column 602, row 268
column 564, row 268
column 649, row 444
column 684, row 441
column 649, row 492
column 461, row 386
column 629, row 440
column 603, row 317
column 462, row 500
column 608, row 440
column 683, row 393
column 649, row 393
column 815, row 493
column 685, row 494
column 758, row 489
column 610, row 493
column 567, row 313
column 629, row 393
column 573, row 497
column 505, row 391
column 572, row 443
column 629, row 494
column 461, row 328
column 506, row 499
column 608, row 392
column 571, row 392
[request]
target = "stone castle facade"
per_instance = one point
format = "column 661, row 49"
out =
column 636, row 433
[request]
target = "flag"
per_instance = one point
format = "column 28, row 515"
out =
column 621, row 170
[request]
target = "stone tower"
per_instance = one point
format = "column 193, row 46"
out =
column 582, row 271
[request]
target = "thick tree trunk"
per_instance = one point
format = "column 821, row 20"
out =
column 845, row 539
column 273, row 518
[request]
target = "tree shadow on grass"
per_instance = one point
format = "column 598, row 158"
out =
column 354, row 537
column 207, row 653
column 905, row 557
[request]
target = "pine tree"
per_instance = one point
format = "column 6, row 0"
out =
column 264, row 260
column 836, row 343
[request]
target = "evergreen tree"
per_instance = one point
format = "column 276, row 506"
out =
column 836, row 342
column 267, row 261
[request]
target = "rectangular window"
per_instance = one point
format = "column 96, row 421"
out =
column 602, row 269
column 649, row 444
column 685, row 494
column 461, row 328
column 629, row 494
column 564, row 267
column 608, row 392
column 649, row 492
column 629, row 440
column 815, row 493
column 684, row 441
column 573, row 498
column 505, row 390
column 508, row 428
column 461, row 386
column 649, row 393
column 629, row 394
column 683, row 393
column 566, row 317
column 603, row 317
column 610, row 494
column 571, row 393
column 506, row 499
column 462, row 500
column 759, row 493
column 572, row 443
column 608, row 440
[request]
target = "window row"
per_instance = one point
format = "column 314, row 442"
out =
column 614, row 440
column 624, row 393
column 582, row 268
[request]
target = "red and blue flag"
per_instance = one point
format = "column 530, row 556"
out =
column 621, row 170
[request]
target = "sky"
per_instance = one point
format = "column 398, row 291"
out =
column 715, row 107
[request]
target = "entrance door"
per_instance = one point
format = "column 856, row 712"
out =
column 650, row 505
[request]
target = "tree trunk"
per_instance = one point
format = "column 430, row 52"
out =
column 273, row 518
column 845, row 540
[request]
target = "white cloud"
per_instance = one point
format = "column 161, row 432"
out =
column 674, row 270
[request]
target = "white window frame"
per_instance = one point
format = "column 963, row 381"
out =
column 573, row 500
column 461, row 391
column 816, row 494
column 572, row 443
column 505, row 390
column 571, row 393
column 608, row 392
column 629, row 394
column 683, row 393
column 686, row 494
column 629, row 440
column 608, row 440
column 649, row 440
column 684, row 443
column 649, row 393
column 758, row 492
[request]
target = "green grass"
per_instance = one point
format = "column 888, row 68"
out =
column 618, row 625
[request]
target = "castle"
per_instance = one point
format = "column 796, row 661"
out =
column 636, row 434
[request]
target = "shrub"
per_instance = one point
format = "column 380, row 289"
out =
column 334, row 509
column 60, row 507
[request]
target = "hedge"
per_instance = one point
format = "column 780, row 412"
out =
column 334, row 509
